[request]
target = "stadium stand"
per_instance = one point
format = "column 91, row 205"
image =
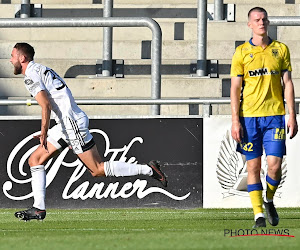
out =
column 72, row 52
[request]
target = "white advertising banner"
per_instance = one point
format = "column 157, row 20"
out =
column 225, row 172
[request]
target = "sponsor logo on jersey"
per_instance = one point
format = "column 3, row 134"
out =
column 33, row 86
column 28, row 81
column 261, row 72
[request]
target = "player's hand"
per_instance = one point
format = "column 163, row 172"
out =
column 43, row 141
column 237, row 131
column 292, row 127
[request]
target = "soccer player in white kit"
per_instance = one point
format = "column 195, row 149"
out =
column 71, row 129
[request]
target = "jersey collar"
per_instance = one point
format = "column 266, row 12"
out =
column 250, row 41
column 28, row 66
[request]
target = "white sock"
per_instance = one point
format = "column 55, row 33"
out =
column 259, row 215
column 120, row 169
column 38, row 184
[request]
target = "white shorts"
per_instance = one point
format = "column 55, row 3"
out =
column 74, row 134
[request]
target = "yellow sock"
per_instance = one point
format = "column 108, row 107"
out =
column 272, row 186
column 255, row 193
column 257, row 201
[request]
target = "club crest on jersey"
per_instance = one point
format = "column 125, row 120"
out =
column 251, row 55
column 275, row 53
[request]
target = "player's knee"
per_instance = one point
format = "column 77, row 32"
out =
column 98, row 173
column 254, row 171
column 34, row 161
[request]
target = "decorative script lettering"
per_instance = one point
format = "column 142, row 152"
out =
column 84, row 190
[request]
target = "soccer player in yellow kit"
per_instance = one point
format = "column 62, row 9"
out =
column 257, row 105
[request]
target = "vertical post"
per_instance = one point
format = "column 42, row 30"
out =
column 25, row 9
column 207, row 109
column 107, row 40
column 156, row 52
column 218, row 10
column 202, row 38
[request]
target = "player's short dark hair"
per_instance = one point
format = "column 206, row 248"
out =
column 26, row 49
column 259, row 9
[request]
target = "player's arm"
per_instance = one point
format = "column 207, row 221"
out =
column 289, row 94
column 235, row 93
column 43, row 100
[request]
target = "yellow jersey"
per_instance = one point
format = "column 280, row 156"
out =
column 261, row 69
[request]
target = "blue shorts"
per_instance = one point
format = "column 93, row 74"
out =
column 263, row 132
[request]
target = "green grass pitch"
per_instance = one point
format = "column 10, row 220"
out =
column 148, row 229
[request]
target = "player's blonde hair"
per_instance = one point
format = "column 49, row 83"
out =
column 259, row 9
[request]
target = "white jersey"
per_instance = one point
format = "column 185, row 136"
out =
column 38, row 78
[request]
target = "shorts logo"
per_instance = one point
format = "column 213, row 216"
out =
column 275, row 53
column 76, row 146
column 279, row 134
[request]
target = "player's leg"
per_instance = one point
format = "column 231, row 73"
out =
column 251, row 147
column 255, row 189
column 37, row 162
column 273, row 177
column 93, row 161
column 274, row 143
column 272, row 180
column 82, row 143
column 84, row 146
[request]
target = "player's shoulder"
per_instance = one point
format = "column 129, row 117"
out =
column 242, row 50
column 34, row 69
column 280, row 45
column 244, row 46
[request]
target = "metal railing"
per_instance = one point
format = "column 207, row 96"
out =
column 156, row 76
column 108, row 33
column 206, row 102
column 25, row 9
column 202, row 38
column 107, row 40
column 284, row 20
column 218, row 10
column 202, row 33
column 106, row 22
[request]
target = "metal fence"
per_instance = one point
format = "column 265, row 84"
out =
column 109, row 21
column 106, row 22
column 205, row 102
